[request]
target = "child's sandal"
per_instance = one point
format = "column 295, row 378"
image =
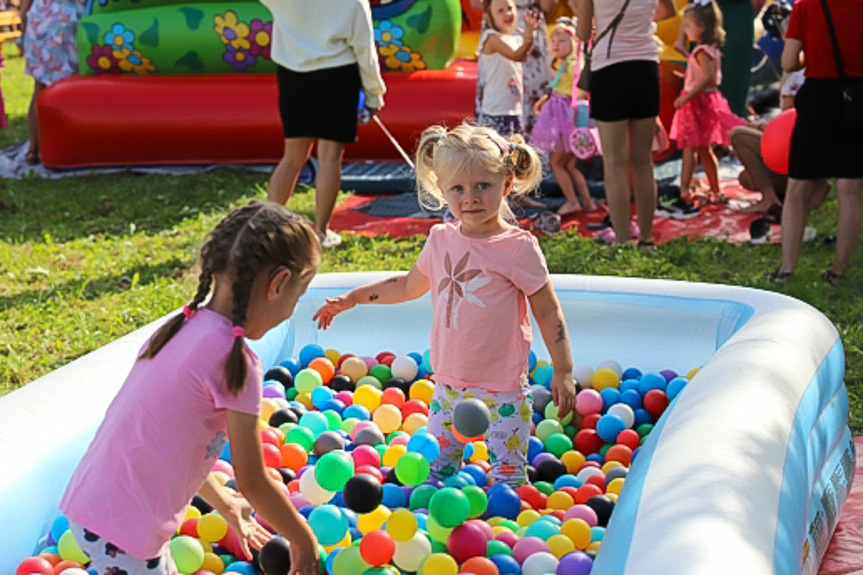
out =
column 831, row 277
column 779, row 277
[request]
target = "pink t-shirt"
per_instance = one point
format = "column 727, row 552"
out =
column 694, row 72
column 160, row 438
column 481, row 331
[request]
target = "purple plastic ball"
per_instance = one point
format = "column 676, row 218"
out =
column 575, row 563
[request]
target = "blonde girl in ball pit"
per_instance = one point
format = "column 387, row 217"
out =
column 482, row 272
column 194, row 386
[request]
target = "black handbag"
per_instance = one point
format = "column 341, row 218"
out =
column 584, row 77
column 852, row 96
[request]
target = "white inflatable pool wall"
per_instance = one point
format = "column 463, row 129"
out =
column 745, row 473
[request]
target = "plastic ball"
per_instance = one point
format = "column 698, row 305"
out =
column 69, row 550
column 377, row 547
column 449, row 506
column 578, row 531
column 539, row 564
column 551, row 412
column 605, row 377
column 558, row 444
column 374, row 520
column 312, row 490
column 368, row 396
column 776, row 141
column 187, row 553
column 392, row 454
column 35, row 566
column 542, row 375
column 212, row 527
column 412, row 468
column 281, row 374
column 438, row 564
column 387, row 417
column 609, row 426
column 655, row 402
column 334, row 469
column 503, row 502
column 411, row 553
column 402, row 525
column 480, row 566
column 576, row 563
column 624, row 412
column 328, row 523
column 307, row 380
column 546, row 429
column 421, row 496
column 675, row 386
column 477, row 499
column 471, row 417
column 603, row 507
column 363, row 493
column 550, row 469
column 422, row 389
column 466, row 541
column 349, row 561
column 426, row 444
column 371, row 381
column 405, row 367
column 588, row 401
column 413, row 422
column 526, row 547
column 369, row 436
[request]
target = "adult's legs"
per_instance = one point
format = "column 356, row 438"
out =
column 848, row 225
column 643, row 179
column 558, row 162
column 794, row 211
column 329, row 181
column 284, row 177
column 33, row 124
column 615, row 148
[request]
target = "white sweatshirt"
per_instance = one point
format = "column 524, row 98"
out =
column 315, row 34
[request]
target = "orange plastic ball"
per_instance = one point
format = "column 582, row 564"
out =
column 377, row 548
column 294, row 456
column 323, row 366
column 479, row 566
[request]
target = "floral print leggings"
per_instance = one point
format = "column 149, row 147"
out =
column 507, row 437
column 108, row 559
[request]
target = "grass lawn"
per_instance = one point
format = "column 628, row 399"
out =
column 84, row 260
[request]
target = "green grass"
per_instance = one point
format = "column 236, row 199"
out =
column 84, row 260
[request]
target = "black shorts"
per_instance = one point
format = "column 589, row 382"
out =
column 320, row 103
column 625, row 91
column 822, row 144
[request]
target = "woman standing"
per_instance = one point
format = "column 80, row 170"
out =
column 826, row 141
column 326, row 55
column 50, row 51
column 624, row 101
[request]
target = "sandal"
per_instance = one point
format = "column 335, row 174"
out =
column 831, row 277
column 646, row 245
column 779, row 277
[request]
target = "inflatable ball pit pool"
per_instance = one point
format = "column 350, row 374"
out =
column 744, row 473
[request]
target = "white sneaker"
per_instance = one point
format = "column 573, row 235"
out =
column 809, row 234
column 330, row 240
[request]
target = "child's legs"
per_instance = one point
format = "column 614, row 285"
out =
column 641, row 134
column 443, row 404
column 708, row 160
column 687, row 168
column 32, row 120
column 615, row 147
column 108, row 559
column 329, row 180
column 284, row 177
column 508, row 435
column 558, row 162
column 581, row 188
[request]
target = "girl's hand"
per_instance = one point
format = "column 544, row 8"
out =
column 680, row 46
column 563, row 393
column 251, row 533
column 531, row 23
column 334, row 306
column 679, row 101
column 304, row 554
column 537, row 106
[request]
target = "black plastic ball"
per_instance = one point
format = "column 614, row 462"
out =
column 284, row 415
column 232, row 483
column 280, row 374
column 341, row 382
column 299, row 410
column 550, row 469
column 201, row 505
column 400, row 383
column 391, row 477
column 275, row 557
column 531, row 474
column 603, row 506
column 287, row 474
column 615, row 473
column 363, row 493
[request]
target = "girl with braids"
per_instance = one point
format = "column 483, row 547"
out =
column 195, row 385
column 482, row 272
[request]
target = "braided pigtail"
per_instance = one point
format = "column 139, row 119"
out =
column 428, row 186
column 525, row 164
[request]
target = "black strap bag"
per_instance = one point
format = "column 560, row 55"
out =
column 584, row 78
column 852, row 96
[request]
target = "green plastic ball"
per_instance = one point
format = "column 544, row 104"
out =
column 370, row 380
column 187, row 553
column 547, row 428
column 307, row 380
column 420, row 497
column 412, row 468
column 558, row 444
column 334, row 420
column 551, row 413
column 350, row 562
column 644, row 429
column 495, row 547
column 334, row 469
column 544, row 487
column 449, row 507
column 382, row 373
column 302, row 436
column 477, row 499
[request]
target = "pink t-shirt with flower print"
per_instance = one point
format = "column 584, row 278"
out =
column 160, row 437
column 481, row 332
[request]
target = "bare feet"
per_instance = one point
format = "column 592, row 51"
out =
column 568, row 208
column 762, row 206
column 526, row 202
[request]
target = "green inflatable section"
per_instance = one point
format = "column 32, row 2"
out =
column 171, row 37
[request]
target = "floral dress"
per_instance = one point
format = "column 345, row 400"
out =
column 536, row 68
column 50, row 47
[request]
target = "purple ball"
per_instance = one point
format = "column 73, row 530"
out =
column 541, row 457
column 668, row 374
column 575, row 563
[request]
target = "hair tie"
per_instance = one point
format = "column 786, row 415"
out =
column 513, row 147
column 702, row 2
column 188, row 311
column 238, row 331
column 442, row 137
column 502, row 144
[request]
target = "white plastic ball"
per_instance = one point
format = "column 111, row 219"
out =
column 625, row 413
column 587, row 472
column 312, row 490
column 411, row 553
column 610, row 364
column 405, row 367
column 583, row 375
column 540, row 563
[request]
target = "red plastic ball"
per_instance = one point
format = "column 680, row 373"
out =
column 35, row 566
column 343, row 357
column 272, row 456
column 629, row 438
column 370, row 470
column 587, row 491
column 776, row 141
column 393, row 396
column 619, row 453
column 377, row 548
column 381, row 357
column 655, row 402
column 189, row 527
column 414, row 406
column 588, row 441
column 466, row 541
column 597, row 479
column 480, row 566
column 532, row 496
column 589, row 421
column 269, row 435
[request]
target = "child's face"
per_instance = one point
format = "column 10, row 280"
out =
column 560, row 44
column 692, row 28
column 504, row 15
column 475, row 196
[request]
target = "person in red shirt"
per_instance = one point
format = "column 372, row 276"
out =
column 824, row 144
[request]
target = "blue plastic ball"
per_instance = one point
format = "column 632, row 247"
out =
column 506, row 564
column 476, row 472
column 632, row 398
column 651, row 380
column 628, row 384
column 610, row 396
column 566, row 480
column 631, row 373
column 357, row 412
column 331, row 560
column 503, row 502
column 531, row 361
column 534, row 447
column 597, row 533
column 394, row 496
column 537, row 417
column 316, row 421
column 542, row 529
column 596, row 457
column 328, row 524
column 426, row 363
column 321, row 395
column 242, row 567
column 458, row 481
column 417, row 357
column 609, row 426
column 425, row 444
column 291, row 365
column 675, row 386
column 59, row 527
column 641, row 416
column 336, row 405
column 542, row 376
column 310, row 352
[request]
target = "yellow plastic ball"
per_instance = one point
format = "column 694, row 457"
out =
column 495, row 521
column 573, row 461
column 212, row 563
column 69, row 550
column 333, row 355
column 594, row 547
column 541, row 363
column 368, row 522
column 613, row 497
column 268, row 407
column 345, row 542
column 560, row 545
column 498, row 529
column 615, row 485
column 413, row 422
column 368, row 396
column 609, row 465
column 480, row 452
column 388, row 418
column 578, row 532
column 527, row 517
column 439, row 564
column 402, row 525
column 212, row 527
column 392, row 455
column 605, row 377
column 305, row 399
column 436, row 530
column 354, row 368
column 560, row 500
column 193, row 512
column 691, row 373
column 422, row 389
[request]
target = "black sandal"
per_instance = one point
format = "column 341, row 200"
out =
column 646, row 245
column 779, row 277
column 831, row 277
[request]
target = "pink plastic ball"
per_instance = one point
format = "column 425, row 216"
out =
column 582, row 511
column 527, row 547
column 345, row 397
column 508, row 537
column 486, row 528
column 359, row 425
column 370, row 362
column 466, row 541
column 366, row 455
column 224, row 467
column 588, row 401
column 400, row 440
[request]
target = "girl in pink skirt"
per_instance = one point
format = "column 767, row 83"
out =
column 703, row 118
column 554, row 126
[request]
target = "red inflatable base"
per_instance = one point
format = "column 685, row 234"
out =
column 223, row 118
